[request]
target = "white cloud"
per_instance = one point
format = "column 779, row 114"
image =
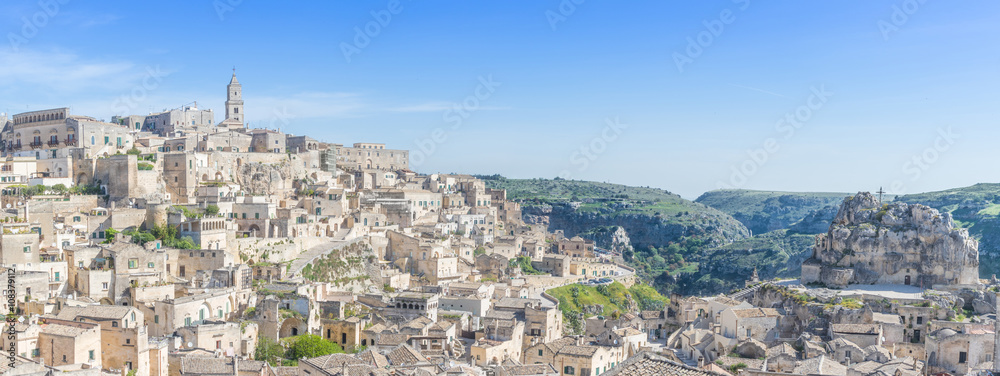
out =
column 269, row 110
column 440, row 106
column 61, row 71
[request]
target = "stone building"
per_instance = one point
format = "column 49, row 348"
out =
column 63, row 342
column 124, row 339
column 372, row 156
column 44, row 132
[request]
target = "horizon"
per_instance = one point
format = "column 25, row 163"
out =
column 688, row 98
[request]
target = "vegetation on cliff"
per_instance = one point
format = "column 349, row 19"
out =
column 610, row 300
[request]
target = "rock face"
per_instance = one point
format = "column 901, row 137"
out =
column 262, row 179
column 613, row 238
column 897, row 243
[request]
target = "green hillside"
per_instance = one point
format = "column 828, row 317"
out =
column 764, row 211
column 596, row 196
column 776, row 254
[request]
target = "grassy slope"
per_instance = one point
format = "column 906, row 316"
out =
column 764, row 211
column 614, row 297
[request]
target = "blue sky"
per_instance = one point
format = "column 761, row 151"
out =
column 910, row 103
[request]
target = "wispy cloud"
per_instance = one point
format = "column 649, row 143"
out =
column 758, row 90
column 102, row 19
column 440, row 106
column 308, row 105
column 63, row 71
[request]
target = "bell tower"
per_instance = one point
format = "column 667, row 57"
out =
column 234, row 102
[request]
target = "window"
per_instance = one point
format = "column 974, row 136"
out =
column 569, row 370
column 963, row 357
column 57, row 276
column 156, row 319
column 748, row 332
column 540, row 352
column 104, row 285
column 106, row 138
column 920, row 320
column 256, row 215
column 150, row 265
column 128, row 341
column 91, row 354
column 133, row 263
column 218, row 344
column 27, row 249
column 114, row 324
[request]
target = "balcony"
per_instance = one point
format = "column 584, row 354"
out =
column 70, row 142
column 53, row 142
column 36, row 144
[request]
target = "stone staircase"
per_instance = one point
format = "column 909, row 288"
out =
column 746, row 292
column 683, row 356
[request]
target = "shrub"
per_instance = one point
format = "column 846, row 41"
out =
column 143, row 166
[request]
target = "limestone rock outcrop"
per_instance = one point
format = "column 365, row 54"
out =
column 895, row 243
column 262, row 179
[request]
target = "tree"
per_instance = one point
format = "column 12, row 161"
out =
column 311, row 346
column 59, row 188
column 268, row 350
column 212, row 210
column 35, row 190
column 109, row 235
column 133, row 151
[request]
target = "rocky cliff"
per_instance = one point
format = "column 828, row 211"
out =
column 897, row 243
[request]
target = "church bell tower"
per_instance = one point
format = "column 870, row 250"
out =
column 234, row 102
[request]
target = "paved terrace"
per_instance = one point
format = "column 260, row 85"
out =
column 885, row 291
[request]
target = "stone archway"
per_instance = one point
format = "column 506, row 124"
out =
column 292, row 326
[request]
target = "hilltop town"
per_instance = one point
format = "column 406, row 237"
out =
column 170, row 244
